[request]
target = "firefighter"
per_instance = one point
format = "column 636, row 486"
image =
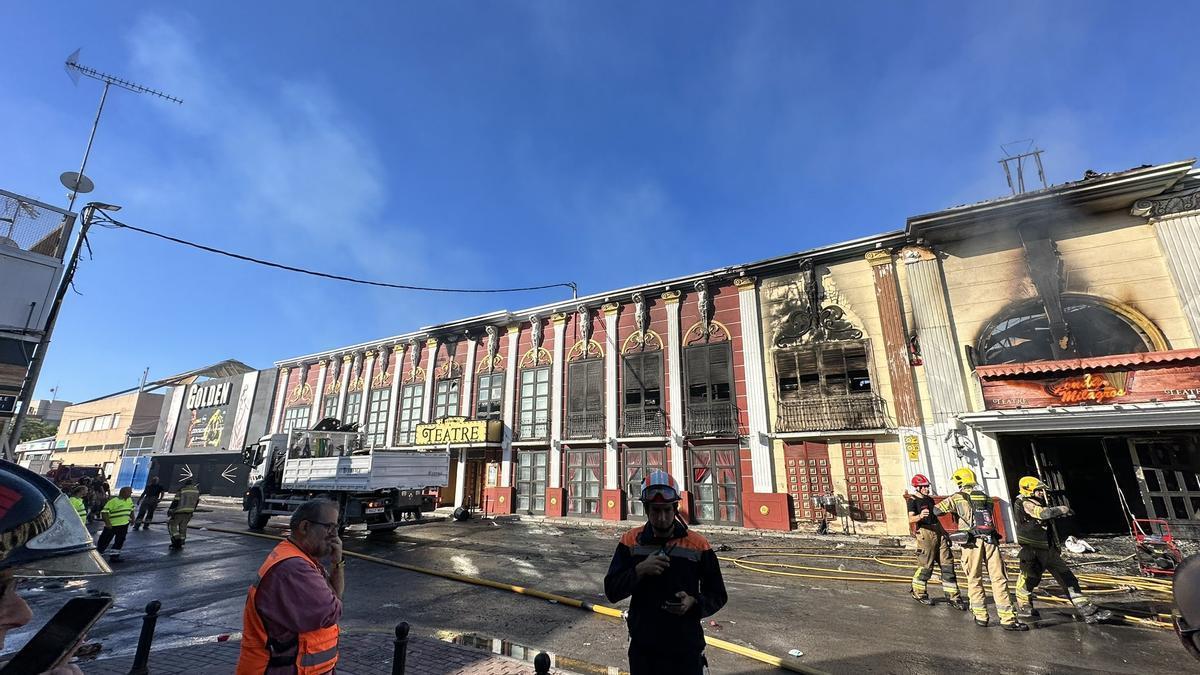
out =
column 179, row 513
column 933, row 546
column 1041, row 552
column 972, row 509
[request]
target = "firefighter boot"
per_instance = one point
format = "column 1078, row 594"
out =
column 176, row 544
column 1088, row 611
column 1014, row 625
column 957, row 602
column 981, row 616
column 922, row 598
column 1025, row 608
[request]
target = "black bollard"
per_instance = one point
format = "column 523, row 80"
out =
column 541, row 664
column 141, row 659
column 401, row 654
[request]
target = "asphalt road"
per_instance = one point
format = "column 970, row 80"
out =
column 842, row 627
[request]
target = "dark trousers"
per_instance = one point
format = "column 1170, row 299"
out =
column 1036, row 561
column 146, row 512
column 117, row 531
column 654, row 660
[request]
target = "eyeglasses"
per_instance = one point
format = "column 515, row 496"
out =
column 327, row 526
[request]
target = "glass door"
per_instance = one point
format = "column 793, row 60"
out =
column 531, row 481
column 639, row 462
column 583, row 481
column 714, row 479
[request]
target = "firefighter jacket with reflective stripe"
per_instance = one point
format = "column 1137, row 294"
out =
column 118, row 511
column 186, row 500
column 1033, row 522
column 968, row 508
column 693, row 569
column 79, row 507
column 317, row 651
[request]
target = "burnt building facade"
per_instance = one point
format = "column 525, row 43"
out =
column 1052, row 333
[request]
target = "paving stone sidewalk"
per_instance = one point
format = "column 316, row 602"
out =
column 361, row 654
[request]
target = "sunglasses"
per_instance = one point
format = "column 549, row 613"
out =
column 659, row 494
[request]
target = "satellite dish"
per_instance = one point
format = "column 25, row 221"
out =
column 77, row 182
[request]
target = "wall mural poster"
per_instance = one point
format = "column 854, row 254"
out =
column 241, row 415
column 204, row 430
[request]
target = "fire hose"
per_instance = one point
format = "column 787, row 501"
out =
column 1095, row 584
column 605, row 610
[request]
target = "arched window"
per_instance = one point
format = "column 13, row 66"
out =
column 1021, row 333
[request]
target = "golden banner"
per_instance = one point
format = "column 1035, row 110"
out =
column 459, row 431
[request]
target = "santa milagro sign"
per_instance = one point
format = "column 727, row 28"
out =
column 1108, row 381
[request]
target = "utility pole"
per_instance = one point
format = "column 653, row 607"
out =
column 39, row 356
column 76, row 183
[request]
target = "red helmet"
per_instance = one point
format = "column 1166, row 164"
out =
column 659, row 486
column 920, row 480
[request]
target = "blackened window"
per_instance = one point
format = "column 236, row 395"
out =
column 709, row 373
column 585, row 386
column 823, row 369
column 1022, row 333
column 490, row 396
column 643, row 380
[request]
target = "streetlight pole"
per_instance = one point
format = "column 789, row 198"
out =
column 39, row 356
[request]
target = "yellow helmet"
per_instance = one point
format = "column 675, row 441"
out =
column 1029, row 484
column 963, row 477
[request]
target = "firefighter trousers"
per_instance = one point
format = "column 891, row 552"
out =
column 933, row 548
column 1035, row 562
column 983, row 557
column 177, row 526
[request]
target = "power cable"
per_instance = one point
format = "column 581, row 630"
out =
column 116, row 224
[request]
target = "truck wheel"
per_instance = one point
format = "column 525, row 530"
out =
column 255, row 518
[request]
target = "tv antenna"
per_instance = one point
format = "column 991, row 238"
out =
column 77, row 182
column 1013, row 159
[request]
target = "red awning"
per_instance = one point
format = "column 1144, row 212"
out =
column 1096, row 363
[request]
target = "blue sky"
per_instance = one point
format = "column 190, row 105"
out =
column 518, row 143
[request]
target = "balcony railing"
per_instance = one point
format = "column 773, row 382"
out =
column 643, row 422
column 718, row 418
column 533, row 428
column 832, row 413
column 587, row 424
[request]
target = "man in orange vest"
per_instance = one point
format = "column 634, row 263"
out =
column 289, row 626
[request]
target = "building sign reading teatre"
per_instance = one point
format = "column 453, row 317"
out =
column 200, row 396
column 457, row 430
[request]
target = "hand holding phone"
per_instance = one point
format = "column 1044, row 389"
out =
column 52, row 647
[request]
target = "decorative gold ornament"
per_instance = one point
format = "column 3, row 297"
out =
column 589, row 350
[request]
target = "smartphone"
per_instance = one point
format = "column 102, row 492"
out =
column 55, row 642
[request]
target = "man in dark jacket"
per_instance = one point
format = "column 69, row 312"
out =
column 673, row 579
column 151, row 496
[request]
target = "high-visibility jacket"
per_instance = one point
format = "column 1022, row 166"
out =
column 317, row 651
column 118, row 511
column 186, row 500
column 79, row 507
